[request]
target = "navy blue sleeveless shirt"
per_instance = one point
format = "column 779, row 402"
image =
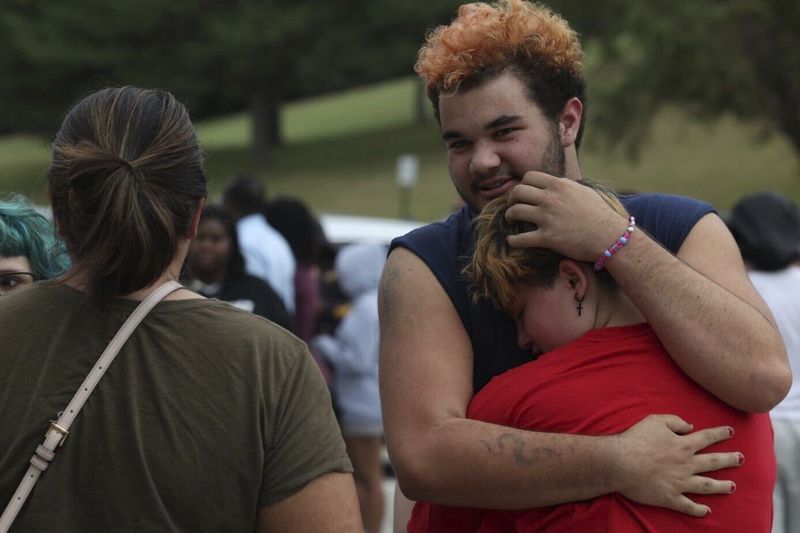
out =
column 447, row 246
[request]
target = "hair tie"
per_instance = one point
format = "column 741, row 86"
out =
column 125, row 164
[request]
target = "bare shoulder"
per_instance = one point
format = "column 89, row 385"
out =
column 408, row 284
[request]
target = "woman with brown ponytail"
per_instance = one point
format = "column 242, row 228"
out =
column 210, row 418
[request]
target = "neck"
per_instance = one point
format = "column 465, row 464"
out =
column 77, row 281
column 616, row 309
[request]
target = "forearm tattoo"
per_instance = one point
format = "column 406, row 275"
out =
column 516, row 445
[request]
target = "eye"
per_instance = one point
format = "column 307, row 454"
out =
column 504, row 132
column 457, row 145
column 13, row 281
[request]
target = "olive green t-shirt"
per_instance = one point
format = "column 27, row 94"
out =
column 206, row 415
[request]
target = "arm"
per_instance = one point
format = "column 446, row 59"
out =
column 701, row 304
column 327, row 503
column 352, row 349
column 441, row 456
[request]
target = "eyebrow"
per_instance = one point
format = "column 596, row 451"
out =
column 502, row 120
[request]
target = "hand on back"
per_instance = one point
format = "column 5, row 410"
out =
column 660, row 463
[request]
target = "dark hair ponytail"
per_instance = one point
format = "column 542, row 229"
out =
column 127, row 171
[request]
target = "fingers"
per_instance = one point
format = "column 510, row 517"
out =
column 684, row 505
column 709, row 462
column 530, row 189
column 539, row 180
column 706, row 437
column 522, row 195
column 529, row 239
column 676, row 424
column 523, row 212
column 707, row 485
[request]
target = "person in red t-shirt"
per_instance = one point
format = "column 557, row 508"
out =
column 601, row 369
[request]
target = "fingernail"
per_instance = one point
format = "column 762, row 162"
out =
column 733, row 487
column 740, row 458
column 730, row 432
column 708, row 511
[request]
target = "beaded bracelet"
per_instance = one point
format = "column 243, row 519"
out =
column 622, row 241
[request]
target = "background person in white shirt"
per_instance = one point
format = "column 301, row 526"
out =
column 767, row 228
column 266, row 253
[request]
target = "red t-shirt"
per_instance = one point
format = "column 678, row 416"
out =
column 602, row 384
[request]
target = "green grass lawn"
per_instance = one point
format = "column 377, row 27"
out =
column 341, row 151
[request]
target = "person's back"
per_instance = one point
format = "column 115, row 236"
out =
column 602, row 384
column 188, row 430
column 199, row 422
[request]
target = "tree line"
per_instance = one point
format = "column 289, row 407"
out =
column 221, row 56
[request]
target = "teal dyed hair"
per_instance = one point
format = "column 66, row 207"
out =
column 25, row 232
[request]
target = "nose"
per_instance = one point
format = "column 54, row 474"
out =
column 523, row 339
column 484, row 158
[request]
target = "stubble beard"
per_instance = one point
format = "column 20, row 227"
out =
column 554, row 162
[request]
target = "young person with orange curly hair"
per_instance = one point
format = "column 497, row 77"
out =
column 507, row 86
column 601, row 370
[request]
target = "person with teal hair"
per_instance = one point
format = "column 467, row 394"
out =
column 29, row 247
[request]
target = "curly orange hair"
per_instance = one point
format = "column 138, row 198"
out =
column 485, row 40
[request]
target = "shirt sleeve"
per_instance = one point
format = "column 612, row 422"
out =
column 668, row 218
column 305, row 441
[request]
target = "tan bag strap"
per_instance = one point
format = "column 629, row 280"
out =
column 59, row 429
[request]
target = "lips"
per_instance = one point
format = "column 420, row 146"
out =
column 495, row 187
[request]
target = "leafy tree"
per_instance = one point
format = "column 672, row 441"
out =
column 58, row 51
column 711, row 57
column 216, row 55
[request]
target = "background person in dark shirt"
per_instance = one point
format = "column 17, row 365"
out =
column 293, row 219
column 216, row 270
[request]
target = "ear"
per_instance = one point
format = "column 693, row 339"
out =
column 191, row 231
column 573, row 274
column 569, row 122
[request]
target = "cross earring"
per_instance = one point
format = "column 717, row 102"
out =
column 578, row 304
